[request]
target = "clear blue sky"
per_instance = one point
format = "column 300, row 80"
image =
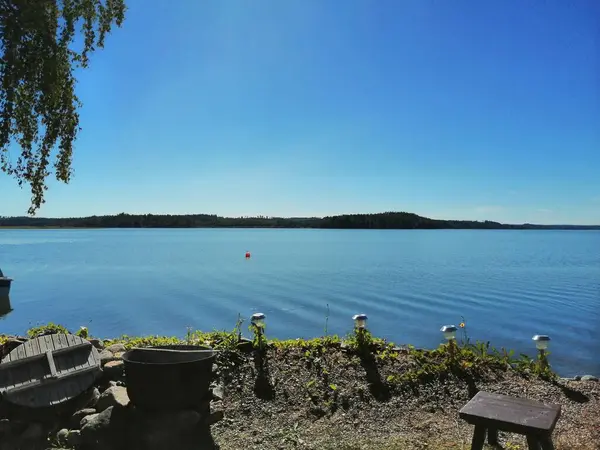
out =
column 450, row 109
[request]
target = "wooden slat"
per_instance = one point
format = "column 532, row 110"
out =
column 50, row 358
column 47, row 381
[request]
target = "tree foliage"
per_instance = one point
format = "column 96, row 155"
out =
column 382, row 221
column 38, row 104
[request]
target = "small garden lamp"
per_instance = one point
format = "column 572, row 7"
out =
column 360, row 321
column 258, row 320
column 541, row 341
column 449, row 332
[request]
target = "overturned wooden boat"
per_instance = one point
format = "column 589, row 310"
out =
column 5, row 283
column 48, row 370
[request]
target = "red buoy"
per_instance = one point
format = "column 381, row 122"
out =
column 247, row 255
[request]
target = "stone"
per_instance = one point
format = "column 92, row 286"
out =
column 96, row 433
column 113, row 396
column 589, row 378
column 113, row 370
column 577, row 377
column 116, row 348
column 74, row 438
column 94, row 397
column 33, row 432
column 75, row 421
column 218, row 392
column 97, row 343
column 106, row 356
column 62, row 435
column 86, row 419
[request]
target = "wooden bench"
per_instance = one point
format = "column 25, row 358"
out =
column 495, row 412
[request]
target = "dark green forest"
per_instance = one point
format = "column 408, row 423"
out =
column 387, row 220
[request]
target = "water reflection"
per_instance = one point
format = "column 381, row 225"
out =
column 5, row 307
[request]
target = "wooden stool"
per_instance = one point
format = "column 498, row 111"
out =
column 494, row 412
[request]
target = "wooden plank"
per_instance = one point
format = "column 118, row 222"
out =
column 510, row 413
column 50, row 358
column 47, row 381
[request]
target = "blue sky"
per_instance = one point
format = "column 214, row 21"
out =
column 462, row 109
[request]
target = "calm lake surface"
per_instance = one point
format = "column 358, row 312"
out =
column 509, row 285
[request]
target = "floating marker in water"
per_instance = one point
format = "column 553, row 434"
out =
column 247, row 255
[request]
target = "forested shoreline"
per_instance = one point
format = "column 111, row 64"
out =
column 387, row 220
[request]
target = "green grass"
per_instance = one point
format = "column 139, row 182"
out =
column 463, row 358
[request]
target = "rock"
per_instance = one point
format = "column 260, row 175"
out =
column 97, row 343
column 94, row 397
column 33, row 432
column 106, row 356
column 75, row 421
column 577, row 377
column 85, row 420
column 113, row 370
column 116, row 348
column 62, row 435
column 74, row 438
column 589, row 378
column 113, row 396
column 218, row 392
column 96, row 433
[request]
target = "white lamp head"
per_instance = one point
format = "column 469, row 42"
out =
column 258, row 320
column 360, row 321
column 449, row 332
column 541, row 341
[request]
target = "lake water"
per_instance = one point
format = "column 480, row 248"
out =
column 509, row 285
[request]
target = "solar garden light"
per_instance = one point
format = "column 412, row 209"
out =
column 541, row 343
column 449, row 332
column 360, row 321
column 258, row 320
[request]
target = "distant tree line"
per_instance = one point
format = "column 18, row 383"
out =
column 387, row 220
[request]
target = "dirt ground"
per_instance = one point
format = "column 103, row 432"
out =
column 292, row 401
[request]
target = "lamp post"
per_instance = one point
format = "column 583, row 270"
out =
column 542, row 342
column 449, row 332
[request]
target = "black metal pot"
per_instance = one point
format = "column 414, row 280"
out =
column 168, row 377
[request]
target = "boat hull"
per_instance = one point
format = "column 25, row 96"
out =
column 5, row 286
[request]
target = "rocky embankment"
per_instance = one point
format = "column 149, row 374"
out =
column 320, row 394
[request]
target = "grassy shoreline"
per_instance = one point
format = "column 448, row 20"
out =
column 362, row 392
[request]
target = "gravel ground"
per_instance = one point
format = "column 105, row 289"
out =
column 332, row 402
